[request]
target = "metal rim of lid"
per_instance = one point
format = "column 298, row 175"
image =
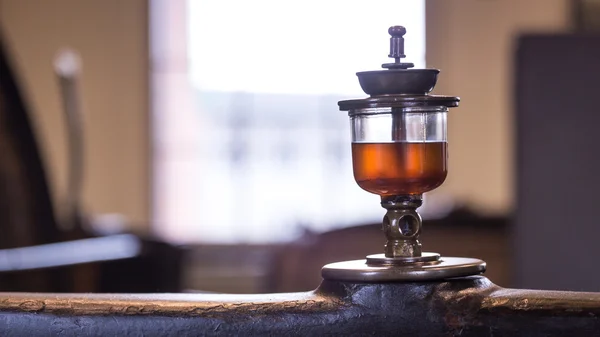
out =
column 398, row 86
column 396, row 110
column 399, row 101
column 360, row 271
column 398, row 71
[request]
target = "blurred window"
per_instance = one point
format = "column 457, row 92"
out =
column 248, row 143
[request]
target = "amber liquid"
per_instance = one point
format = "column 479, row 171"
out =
column 399, row 168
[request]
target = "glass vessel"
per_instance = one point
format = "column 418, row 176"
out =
column 399, row 145
column 399, row 151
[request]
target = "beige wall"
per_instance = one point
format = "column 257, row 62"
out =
column 111, row 36
column 472, row 42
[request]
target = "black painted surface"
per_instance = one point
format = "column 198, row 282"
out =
column 466, row 307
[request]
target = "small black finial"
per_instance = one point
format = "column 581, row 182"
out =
column 397, row 31
column 397, row 48
column 397, row 42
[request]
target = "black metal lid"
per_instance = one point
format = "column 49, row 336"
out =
column 398, row 86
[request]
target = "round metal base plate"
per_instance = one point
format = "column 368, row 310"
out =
column 445, row 267
column 381, row 259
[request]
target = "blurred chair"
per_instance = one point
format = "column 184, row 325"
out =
column 32, row 257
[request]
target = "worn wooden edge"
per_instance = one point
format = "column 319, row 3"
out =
column 163, row 304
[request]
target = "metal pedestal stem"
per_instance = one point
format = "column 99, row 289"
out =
column 403, row 259
column 402, row 225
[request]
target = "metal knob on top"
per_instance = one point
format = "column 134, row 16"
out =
column 397, row 49
column 397, row 42
column 397, row 78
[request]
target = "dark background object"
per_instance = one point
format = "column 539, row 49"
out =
column 557, row 116
column 586, row 15
column 27, row 218
column 26, row 213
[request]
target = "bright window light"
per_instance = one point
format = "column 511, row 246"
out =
column 297, row 47
column 262, row 153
